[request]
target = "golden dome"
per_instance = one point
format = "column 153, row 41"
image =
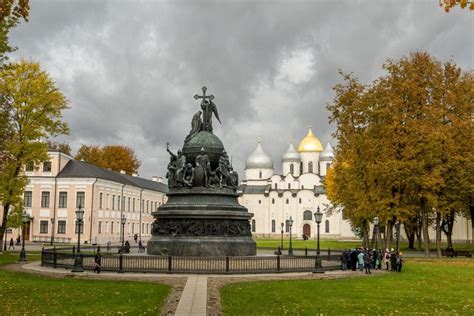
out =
column 310, row 143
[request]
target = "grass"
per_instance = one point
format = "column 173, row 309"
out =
column 339, row 245
column 22, row 293
column 424, row 287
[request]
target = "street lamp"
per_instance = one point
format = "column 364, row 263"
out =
column 376, row 226
column 281, row 244
column 290, row 249
column 78, row 260
column 318, row 216
column 52, row 231
column 25, row 219
column 122, row 221
column 5, row 241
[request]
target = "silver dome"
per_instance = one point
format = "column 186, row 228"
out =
column 328, row 153
column 259, row 159
column 291, row 155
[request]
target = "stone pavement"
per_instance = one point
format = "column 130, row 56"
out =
column 194, row 297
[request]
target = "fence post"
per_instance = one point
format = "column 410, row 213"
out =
column 329, row 251
column 42, row 256
column 278, row 263
column 227, row 264
column 55, row 258
column 305, row 251
column 120, row 263
column 169, row 264
column 73, row 250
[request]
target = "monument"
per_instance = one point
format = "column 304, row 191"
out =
column 202, row 216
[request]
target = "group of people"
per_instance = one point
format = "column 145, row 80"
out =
column 366, row 259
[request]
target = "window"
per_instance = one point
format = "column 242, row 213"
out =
column 47, row 166
column 287, row 226
column 147, row 205
column 289, row 186
column 302, row 187
column 156, row 206
column 328, row 166
column 107, row 200
column 80, row 199
column 62, row 199
column 253, row 226
column 273, row 226
column 327, row 226
column 276, row 186
column 27, row 198
column 128, row 207
column 106, row 227
column 287, row 201
column 113, row 201
column 111, row 227
column 299, row 200
column 133, row 228
column 61, row 227
column 133, row 204
column 310, row 167
column 118, row 202
column 123, row 202
column 301, row 167
column 273, row 201
column 147, row 226
column 307, row 216
column 292, row 169
column 100, row 227
column 260, row 174
column 30, row 166
column 259, row 201
column 43, row 227
column 101, row 200
column 82, row 227
column 45, row 199
column 143, row 227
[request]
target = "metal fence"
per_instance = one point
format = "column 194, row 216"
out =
column 65, row 258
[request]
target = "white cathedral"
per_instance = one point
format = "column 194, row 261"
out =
column 296, row 194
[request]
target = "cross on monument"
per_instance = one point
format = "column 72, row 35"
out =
column 203, row 96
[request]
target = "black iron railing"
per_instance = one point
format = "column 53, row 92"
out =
column 64, row 258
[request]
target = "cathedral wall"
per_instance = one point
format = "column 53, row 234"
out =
column 287, row 168
column 308, row 159
column 256, row 174
column 323, row 167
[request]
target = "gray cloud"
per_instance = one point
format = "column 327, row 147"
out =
column 130, row 68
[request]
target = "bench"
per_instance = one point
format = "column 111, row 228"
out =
column 456, row 253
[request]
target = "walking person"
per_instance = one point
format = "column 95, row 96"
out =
column 399, row 262
column 97, row 261
column 353, row 260
column 393, row 260
column 375, row 258
column 11, row 244
column 140, row 246
column 367, row 261
column 18, row 240
column 360, row 258
column 386, row 258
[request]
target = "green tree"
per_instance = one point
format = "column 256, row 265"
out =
column 34, row 113
column 65, row 148
column 11, row 13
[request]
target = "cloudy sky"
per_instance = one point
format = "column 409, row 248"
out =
column 130, row 68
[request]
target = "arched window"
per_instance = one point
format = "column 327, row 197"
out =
column 287, row 201
column 292, row 169
column 253, row 226
column 327, row 226
column 328, row 166
column 273, row 201
column 310, row 167
column 276, row 186
column 287, row 226
column 260, row 174
column 307, row 216
column 289, row 186
column 301, row 167
column 300, row 200
column 273, row 225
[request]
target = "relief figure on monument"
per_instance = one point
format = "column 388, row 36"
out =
column 196, row 126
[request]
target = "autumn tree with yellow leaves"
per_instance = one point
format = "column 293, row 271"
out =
column 403, row 152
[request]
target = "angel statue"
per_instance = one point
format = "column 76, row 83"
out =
column 196, row 126
column 208, row 108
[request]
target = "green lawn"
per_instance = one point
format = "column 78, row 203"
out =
column 22, row 293
column 339, row 245
column 436, row 287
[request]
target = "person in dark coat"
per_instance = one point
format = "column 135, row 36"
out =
column 354, row 260
column 127, row 247
column 393, row 260
column 11, row 244
column 97, row 261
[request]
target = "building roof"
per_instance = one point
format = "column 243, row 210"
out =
column 328, row 153
column 291, row 155
column 80, row 169
column 310, row 143
column 259, row 159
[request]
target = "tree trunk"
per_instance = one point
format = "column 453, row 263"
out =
column 397, row 233
column 366, row 235
column 374, row 235
column 410, row 236
column 471, row 210
column 3, row 227
column 424, row 227
column 447, row 227
column 438, row 235
column 389, row 235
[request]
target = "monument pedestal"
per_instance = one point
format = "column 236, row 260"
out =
column 202, row 222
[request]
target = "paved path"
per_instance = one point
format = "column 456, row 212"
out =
column 194, row 297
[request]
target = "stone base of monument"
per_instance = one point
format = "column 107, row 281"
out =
column 202, row 247
column 202, row 222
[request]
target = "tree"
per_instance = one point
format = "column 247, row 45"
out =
column 449, row 4
column 11, row 13
column 65, row 148
column 34, row 108
column 114, row 157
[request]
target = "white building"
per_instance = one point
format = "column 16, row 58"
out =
column 296, row 193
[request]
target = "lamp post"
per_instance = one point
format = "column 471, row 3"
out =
column 52, row 231
column 5, row 241
column 78, row 259
column 318, row 216
column 281, row 244
column 25, row 219
column 290, row 249
column 123, row 221
column 376, row 226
